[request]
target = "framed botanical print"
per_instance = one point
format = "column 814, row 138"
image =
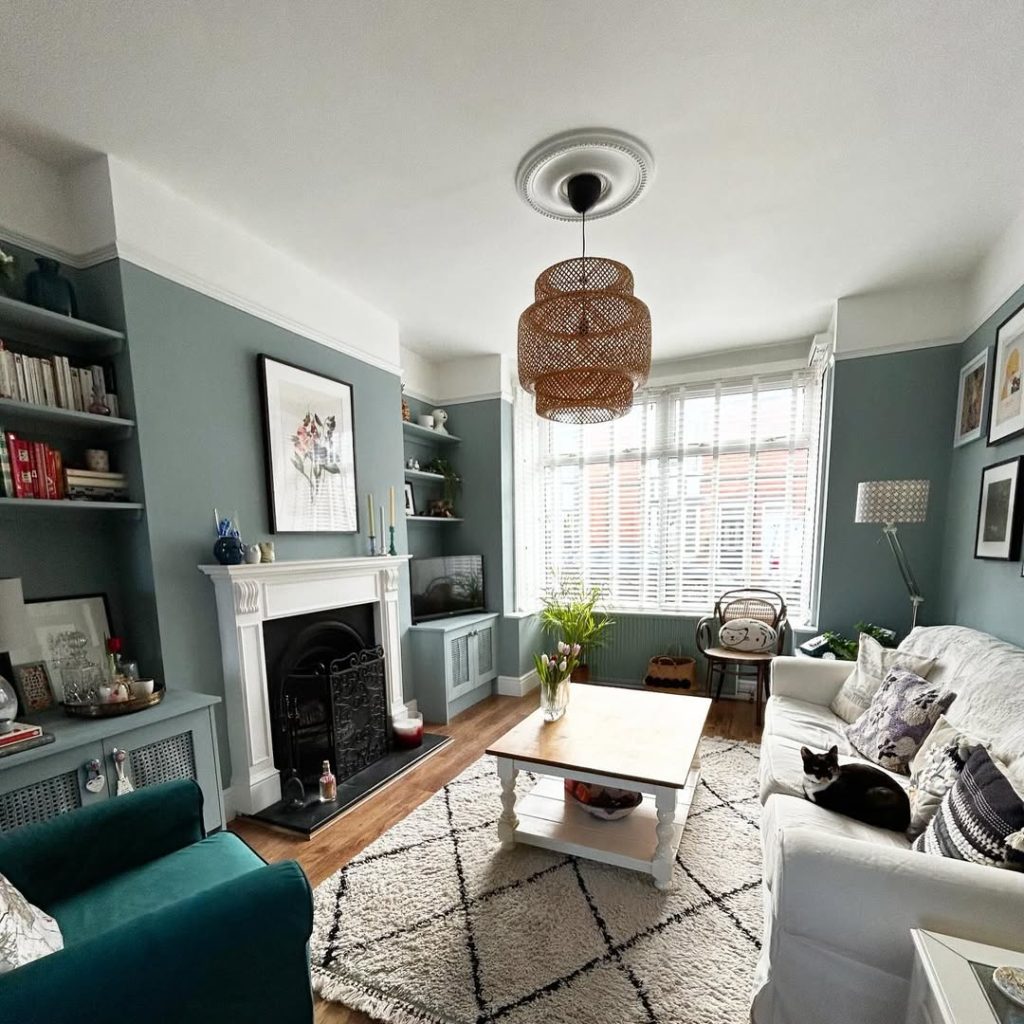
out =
column 309, row 433
column 55, row 631
column 971, row 398
column 1007, row 416
column 999, row 511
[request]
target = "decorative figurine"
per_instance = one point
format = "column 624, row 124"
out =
column 253, row 555
column 267, row 551
column 406, row 411
column 47, row 289
column 440, row 419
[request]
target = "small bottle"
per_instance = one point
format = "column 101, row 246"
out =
column 328, row 784
column 113, row 658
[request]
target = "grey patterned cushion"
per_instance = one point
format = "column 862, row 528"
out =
column 26, row 933
column 935, row 769
column 873, row 662
column 981, row 818
column 901, row 715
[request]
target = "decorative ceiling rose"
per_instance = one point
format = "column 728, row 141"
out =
column 585, row 343
column 623, row 165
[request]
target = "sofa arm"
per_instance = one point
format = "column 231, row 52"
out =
column 73, row 852
column 860, row 900
column 234, row 952
column 814, row 680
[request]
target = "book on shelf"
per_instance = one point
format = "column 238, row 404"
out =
column 30, row 469
column 20, row 731
column 36, row 741
column 52, row 381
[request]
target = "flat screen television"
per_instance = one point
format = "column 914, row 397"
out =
column 453, row 585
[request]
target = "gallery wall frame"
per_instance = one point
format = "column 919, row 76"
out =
column 1006, row 403
column 1000, row 508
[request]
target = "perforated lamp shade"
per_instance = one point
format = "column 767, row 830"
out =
column 892, row 501
column 585, row 343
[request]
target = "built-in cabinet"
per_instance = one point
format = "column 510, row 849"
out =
column 455, row 661
column 175, row 739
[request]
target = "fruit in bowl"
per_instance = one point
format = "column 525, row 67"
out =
column 604, row 802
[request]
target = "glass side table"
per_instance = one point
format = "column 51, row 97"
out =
column 952, row 982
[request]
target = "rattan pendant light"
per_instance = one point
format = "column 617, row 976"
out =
column 585, row 343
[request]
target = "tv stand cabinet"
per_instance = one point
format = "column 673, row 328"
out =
column 455, row 662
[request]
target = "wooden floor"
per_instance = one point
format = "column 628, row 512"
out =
column 471, row 732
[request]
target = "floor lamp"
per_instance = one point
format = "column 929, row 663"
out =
column 890, row 502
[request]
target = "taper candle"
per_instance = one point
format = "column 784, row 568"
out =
column 369, row 509
column 391, row 499
column 383, row 534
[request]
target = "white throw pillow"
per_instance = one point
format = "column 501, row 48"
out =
column 935, row 768
column 873, row 664
column 26, row 933
column 747, row 635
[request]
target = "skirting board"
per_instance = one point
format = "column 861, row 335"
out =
column 518, row 686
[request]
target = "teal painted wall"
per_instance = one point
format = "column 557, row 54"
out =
column 892, row 418
column 986, row 595
column 193, row 361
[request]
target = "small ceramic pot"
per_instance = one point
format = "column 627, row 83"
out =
column 142, row 688
column 266, row 551
column 229, row 551
column 97, row 460
column 426, row 421
column 253, row 555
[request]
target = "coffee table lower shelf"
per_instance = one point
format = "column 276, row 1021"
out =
column 546, row 819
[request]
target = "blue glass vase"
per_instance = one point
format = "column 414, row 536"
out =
column 229, row 551
column 47, row 289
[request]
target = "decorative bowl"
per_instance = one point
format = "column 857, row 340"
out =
column 1010, row 981
column 603, row 802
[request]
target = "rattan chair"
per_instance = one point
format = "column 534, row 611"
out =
column 752, row 603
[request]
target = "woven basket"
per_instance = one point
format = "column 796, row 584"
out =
column 669, row 670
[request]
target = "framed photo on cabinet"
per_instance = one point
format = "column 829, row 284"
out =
column 1006, row 418
column 971, row 399
column 308, row 428
column 999, row 511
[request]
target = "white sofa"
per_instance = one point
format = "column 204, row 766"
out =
column 841, row 897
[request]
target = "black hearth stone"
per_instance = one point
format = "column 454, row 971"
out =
column 315, row 815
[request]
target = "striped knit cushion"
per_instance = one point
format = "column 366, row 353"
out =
column 981, row 818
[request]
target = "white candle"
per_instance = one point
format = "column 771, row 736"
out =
column 382, row 545
column 369, row 509
column 391, row 497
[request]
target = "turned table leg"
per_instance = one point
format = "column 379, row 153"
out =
column 665, row 854
column 508, row 822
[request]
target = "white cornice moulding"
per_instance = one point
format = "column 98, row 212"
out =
column 891, row 350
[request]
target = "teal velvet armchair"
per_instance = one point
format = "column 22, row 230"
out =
column 161, row 923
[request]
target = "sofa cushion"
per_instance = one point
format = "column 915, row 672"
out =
column 784, row 812
column 813, row 724
column 901, row 715
column 26, row 932
column 873, row 664
column 981, row 818
column 153, row 886
column 987, row 675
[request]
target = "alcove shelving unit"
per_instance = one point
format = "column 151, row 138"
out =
column 427, row 440
column 40, row 332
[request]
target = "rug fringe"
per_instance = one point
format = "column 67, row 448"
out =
column 336, row 990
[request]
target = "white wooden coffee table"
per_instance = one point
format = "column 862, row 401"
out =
column 630, row 739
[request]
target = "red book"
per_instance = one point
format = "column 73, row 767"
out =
column 21, row 466
column 51, row 472
column 58, row 464
column 19, row 732
column 38, row 450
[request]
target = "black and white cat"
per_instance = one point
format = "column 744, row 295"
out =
column 856, row 790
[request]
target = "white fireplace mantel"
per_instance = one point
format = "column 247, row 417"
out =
column 249, row 595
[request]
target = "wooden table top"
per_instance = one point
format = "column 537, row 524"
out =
column 609, row 730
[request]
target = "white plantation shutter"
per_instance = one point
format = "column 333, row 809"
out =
column 701, row 487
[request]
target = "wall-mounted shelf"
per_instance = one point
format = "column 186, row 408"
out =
column 427, row 435
column 422, row 474
column 433, row 519
column 41, row 505
column 60, row 422
column 51, row 332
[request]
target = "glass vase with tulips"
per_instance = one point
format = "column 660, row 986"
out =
column 554, row 671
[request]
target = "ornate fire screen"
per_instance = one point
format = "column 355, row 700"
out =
column 361, row 734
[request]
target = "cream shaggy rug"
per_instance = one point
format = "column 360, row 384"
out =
column 435, row 923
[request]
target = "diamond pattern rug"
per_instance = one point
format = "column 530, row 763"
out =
column 435, row 924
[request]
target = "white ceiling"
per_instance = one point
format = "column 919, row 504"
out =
column 805, row 150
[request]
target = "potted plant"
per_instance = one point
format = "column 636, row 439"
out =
column 452, row 481
column 555, row 670
column 571, row 613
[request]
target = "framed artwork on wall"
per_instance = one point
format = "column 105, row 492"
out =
column 1006, row 418
column 999, row 511
column 52, row 623
column 971, row 398
column 309, row 434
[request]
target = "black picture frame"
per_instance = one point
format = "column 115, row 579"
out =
column 410, row 500
column 1014, row 514
column 994, row 375
column 282, row 521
